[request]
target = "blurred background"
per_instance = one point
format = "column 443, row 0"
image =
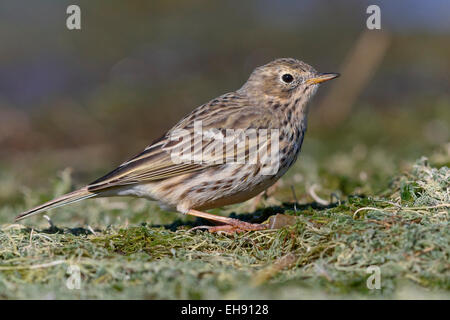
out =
column 89, row 99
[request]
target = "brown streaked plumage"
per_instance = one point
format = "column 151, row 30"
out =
column 274, row 100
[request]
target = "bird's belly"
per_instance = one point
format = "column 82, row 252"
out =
column 237, row 197
column 211, row 188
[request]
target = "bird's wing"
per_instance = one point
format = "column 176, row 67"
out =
column 157, row 161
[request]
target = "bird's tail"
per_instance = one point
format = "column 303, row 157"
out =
column 58, row 202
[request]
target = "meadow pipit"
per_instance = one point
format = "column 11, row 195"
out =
column 225, row 151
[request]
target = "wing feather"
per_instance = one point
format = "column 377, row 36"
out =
column 155, row 163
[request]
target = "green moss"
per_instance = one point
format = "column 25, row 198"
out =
column 384, row 212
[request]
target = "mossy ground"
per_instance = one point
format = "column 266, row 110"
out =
column 356, row 204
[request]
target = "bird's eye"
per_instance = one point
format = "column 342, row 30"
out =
column 288, row 78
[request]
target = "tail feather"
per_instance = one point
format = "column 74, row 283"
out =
column 58, row 202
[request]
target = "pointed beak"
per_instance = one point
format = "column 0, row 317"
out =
column 322, row 77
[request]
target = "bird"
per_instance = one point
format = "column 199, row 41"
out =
column 225, row 151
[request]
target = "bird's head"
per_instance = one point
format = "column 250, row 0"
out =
column 285, row 79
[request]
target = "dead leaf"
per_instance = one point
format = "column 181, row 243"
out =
column 280, row 220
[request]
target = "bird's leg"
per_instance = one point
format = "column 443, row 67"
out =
column 230, row 225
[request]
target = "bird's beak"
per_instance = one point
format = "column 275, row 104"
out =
column 322, row 77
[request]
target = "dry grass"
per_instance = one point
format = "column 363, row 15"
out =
column 325, row 253
column 383, row 212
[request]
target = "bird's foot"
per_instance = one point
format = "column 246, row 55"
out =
column 233, row 226
column 228, row 225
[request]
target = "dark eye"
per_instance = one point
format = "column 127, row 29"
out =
column 288, row 78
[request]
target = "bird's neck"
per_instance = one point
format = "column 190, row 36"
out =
column 295, row 109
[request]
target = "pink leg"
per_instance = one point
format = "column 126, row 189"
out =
column 231, row 225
